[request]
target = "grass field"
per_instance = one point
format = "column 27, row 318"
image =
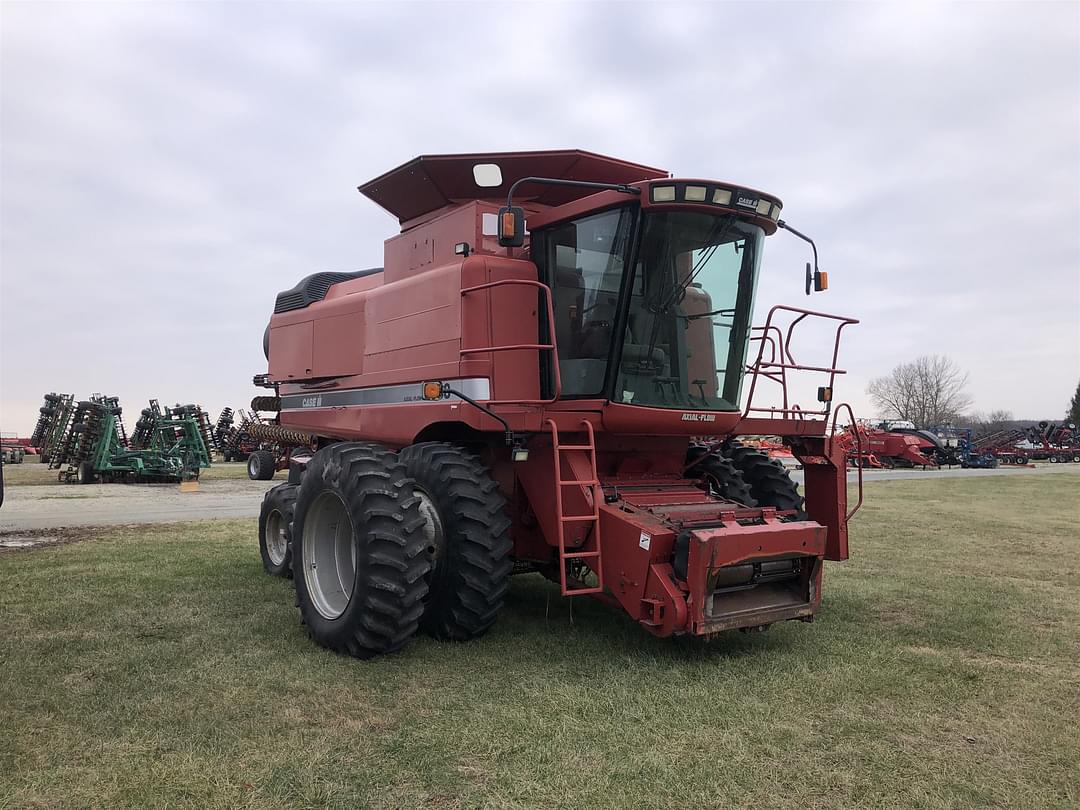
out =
column 34, row 473
column 160, row 667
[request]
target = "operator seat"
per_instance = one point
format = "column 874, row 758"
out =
column 582, row 373
column 569, row 299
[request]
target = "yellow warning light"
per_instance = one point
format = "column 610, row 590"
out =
column 821, row 281
column 509, row 223
column 432, row 390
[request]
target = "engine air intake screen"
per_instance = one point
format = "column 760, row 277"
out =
column 314, row 288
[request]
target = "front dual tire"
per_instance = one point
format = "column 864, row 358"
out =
column 468, row 540
column 384, row 544
column 360, row 558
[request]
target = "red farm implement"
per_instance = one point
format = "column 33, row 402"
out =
column 1047, row 441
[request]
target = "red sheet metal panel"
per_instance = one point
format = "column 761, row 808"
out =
column 431, row 182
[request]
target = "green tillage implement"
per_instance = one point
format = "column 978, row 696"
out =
column 176, row 450
column 53, row 425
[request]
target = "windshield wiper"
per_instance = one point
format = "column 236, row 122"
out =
column 715, row 239
column 730, row 312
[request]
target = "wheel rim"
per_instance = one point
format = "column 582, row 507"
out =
column 329, row 555
column 276, row 542
column 253, row 467
column 433, row 527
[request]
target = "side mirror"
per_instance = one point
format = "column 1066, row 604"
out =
column 511, row 227
column 816, row 280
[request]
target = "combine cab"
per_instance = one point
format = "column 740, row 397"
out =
column 517, row 390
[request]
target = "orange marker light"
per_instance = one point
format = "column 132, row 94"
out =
column 509, row 226
column 432, row 390
column 822, row 281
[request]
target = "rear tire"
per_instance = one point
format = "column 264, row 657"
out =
column 261, row 465
column 86, row 473
column 466, row 538
column 359, row 561
column 275, row 518
column 770, row 483
column 720, row 477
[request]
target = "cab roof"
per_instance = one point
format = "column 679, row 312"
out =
column 431, row 182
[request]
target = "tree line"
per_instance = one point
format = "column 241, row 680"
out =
column 932, row 390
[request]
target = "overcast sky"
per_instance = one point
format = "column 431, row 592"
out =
column 168, row 168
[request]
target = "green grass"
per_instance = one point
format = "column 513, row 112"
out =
column 34, row 473
column 161, row 667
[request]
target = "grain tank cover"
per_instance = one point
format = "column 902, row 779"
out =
column 431, row 182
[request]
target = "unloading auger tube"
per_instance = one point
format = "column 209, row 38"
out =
column 283, row 436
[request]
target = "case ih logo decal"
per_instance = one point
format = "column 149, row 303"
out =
column 311, row 402
column 746, row 201
column 699, row 417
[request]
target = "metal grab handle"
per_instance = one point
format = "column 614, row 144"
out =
column 553, row 346
column 858, row 449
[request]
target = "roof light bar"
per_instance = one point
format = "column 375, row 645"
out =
column 693, row 193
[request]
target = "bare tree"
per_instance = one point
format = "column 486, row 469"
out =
column 1000, row 419
column 993, row 422
column 927, row 391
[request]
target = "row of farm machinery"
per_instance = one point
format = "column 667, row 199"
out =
column 86, row 440
column 891, row 444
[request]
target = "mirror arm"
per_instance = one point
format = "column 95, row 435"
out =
column 781, row 224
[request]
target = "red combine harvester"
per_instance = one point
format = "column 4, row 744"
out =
column 505, row 397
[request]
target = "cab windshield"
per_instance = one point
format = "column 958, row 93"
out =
column 691, row 298
column 680, row 315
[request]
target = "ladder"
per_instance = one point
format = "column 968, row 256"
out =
column 571, row 586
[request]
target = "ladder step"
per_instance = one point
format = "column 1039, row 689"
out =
column 578, row 518
column 581, row 591
column 560, row 447
column 578, row 555
column 578, row 483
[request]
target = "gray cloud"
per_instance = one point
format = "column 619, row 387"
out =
column 167, row 168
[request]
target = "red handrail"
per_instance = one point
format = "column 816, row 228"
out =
column 780, row 343
column 552, row 346
column 858, row 449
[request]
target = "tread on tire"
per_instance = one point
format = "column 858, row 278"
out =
column 769, row 482
column 720, row 476
column 276, row 515
column 261, row 465
column 359, row 493
column 467, row 539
